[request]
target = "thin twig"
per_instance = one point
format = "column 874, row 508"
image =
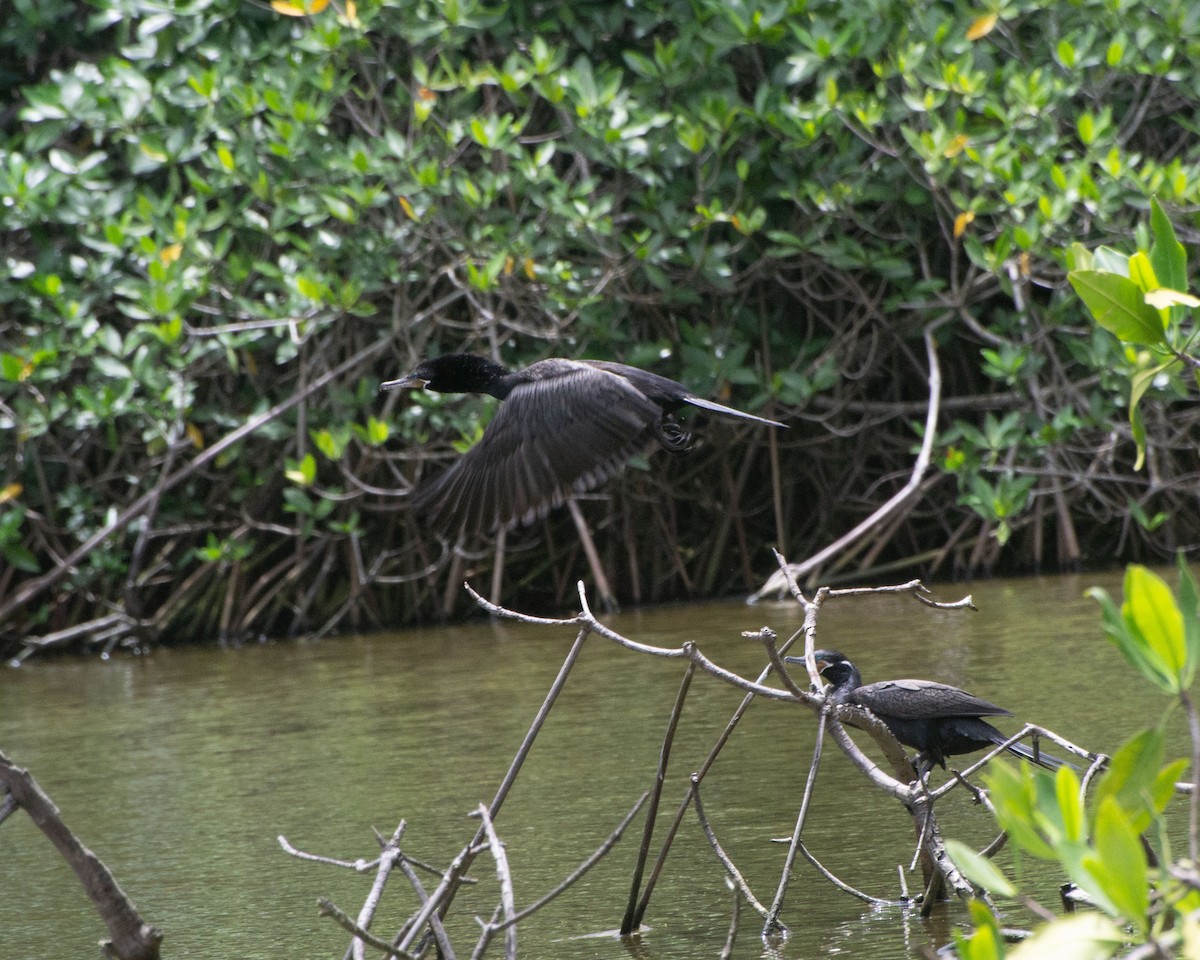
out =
column 444, row 894
column 735, row 914
column 845, row 887
column 432, row 916
column 504, row 875
column 731, row 870
column 387, row 860
column 789, row 862
column 582, row 869
column 327, row 908
column 660, row 775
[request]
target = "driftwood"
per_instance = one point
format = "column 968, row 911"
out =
column 131, row 937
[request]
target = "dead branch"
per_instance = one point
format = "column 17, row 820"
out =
column 656, row 795
column 327, row 908
column 132, row 937
column 731, row 871
column 387, row 860
column 772, row 917
column 504, row 875
column 582, row 869
column 776, row 583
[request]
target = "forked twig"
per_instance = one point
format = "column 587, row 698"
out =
column 627, row 922
column 507, row 902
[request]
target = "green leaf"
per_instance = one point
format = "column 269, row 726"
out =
column 303, row 473
column 1138, row 427
column 1152, row 614
column 1141, row 272
column 1139, row 383
column 1108, row 260
column 1131, row 647
column 1084, row 936
column 1118, row 867
column 331, row 446
column 1189, row 609
column 986, row 942
column 1167, row 253
column 1070, row 804
column 20, row 557
column 1130, row 779
column 980, row 870
column 377, row 431
column 1018, row 810
column 1118, row 305
column 11, row 367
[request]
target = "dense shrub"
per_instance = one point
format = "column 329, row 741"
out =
column 209, row 205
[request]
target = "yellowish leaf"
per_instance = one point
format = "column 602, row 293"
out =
column 11, row 492
column 982, row 26
column 169, row 255
column 530, row 268
column 1165, row 297
column 407, row 208
column 956, row 146
column 152, row 152
column 1025, row 264
column 298, row 10
column 194, row 434
column 961, row 222
column 424, row 93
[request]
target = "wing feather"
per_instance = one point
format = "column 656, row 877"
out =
column 912, row 700
column 553, row 436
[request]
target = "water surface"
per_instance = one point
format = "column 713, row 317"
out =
column 180, row 769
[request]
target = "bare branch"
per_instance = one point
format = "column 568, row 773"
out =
column 583, row 868
column 731, row 870
column 327, row 908
column 845, row 887
column 132, row 937
column 503, row 874
column 776, row 583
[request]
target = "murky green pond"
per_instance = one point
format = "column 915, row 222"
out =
column 181, row 768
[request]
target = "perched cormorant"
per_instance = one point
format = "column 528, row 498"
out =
column 564, row 427
column 934, row 719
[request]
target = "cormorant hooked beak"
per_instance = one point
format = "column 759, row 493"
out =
column 409, row 381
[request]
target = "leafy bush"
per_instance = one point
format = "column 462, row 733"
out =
column 209, row 206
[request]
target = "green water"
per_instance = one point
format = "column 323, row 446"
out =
column 181, row 768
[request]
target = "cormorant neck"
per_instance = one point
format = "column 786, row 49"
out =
column 468, row 373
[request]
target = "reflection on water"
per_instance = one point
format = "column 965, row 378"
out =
column 181, row 768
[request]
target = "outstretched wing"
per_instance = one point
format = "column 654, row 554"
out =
column 551, row 437
column 920, row 699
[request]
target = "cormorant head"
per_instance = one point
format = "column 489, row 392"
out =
column 451, row 373
column 830, row 664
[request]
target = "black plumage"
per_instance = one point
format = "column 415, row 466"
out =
column 563, row 427
column 934, row 719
